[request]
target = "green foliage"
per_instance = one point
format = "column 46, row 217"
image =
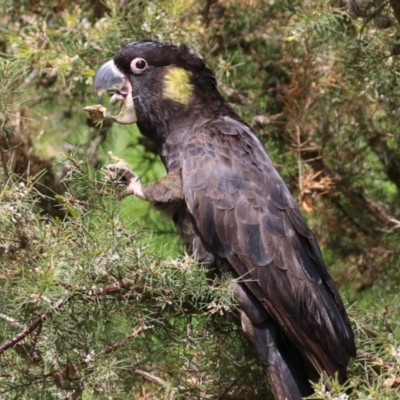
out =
column 10, row 76
column 101, row 308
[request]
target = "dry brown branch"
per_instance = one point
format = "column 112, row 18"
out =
column 136, row 332
column 75, row 394
column 377, row 362
column 30, row 328
column 150, row 377
column 260, row 121
column 237, row 97
column 366, row 328
column 159, row 381
column 373, row 208
column 232, row 384
column 11, row 321
column 355, row 196
column 299, row 162
column 110, row 288
column 369, row 331
column 396, row 9
column 377, row 210
column 392, row 382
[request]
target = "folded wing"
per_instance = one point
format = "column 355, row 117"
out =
column 246, row 215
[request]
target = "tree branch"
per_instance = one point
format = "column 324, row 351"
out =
column 30, row 328
column 133, row 335
column 232, row 384
column 396, row 9
column 236, row 97
column 313, row 158
column 110, row 288
column 11, row 321
column 75, row 394
column 150, row 377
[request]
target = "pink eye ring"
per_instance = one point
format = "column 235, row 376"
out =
column 138, row 65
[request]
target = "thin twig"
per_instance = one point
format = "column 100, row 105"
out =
column 150, row 377
column 110, row 288
column 396, row 9
column 355, row 196
column 378, row 362
column 133, row 335
column 233, row 383
column 396, row 223
column 30, row 328
column 74, row 395
column 298, row 136
column 10, row 240
column 11, row 321
column 237, row 97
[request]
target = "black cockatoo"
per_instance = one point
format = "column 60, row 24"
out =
column 233, row 211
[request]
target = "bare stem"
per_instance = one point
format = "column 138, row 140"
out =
column 298, row 135
column 11, row 321
column 30, row 328
column 133, row 335
column 150, row 377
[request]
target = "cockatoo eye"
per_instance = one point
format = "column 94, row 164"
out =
column 138, row 65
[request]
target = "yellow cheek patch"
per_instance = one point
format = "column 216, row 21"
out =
column 177, row 85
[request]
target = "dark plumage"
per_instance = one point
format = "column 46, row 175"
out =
column 235, row 213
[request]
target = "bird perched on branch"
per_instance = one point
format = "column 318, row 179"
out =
column 233, row 211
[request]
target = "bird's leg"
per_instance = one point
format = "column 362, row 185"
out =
column 121, row 173
column 165, row 191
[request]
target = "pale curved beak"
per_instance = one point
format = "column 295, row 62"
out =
column 109, row 79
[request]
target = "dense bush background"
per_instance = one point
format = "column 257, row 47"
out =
column 97, row 297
